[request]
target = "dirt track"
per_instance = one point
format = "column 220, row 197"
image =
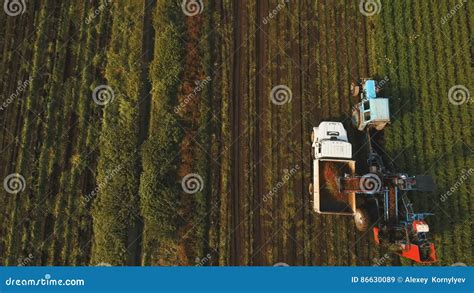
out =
column 236, row 124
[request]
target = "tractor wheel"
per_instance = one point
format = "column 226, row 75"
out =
column 313, row 134
column 361, row 219
column 355, row 117
column 380, row 127
column 355, row 89
column 425, row 251
column 310, row 188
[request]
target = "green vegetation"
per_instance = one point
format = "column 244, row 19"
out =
column 159, row 184
column 184, row 95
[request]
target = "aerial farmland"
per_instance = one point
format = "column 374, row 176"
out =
column 168, row 133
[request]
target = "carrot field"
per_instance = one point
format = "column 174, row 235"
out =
column 178, row 132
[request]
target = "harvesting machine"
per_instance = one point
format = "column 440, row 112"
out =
column 377, row 200
column 384, row 206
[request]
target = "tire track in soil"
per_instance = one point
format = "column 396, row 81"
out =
column 295, row 148
column 306, row 87
column 316, row 71
column 237, row 171
column 259, row 138
column 317, row 221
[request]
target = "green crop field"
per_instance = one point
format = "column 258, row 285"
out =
column 178, row 132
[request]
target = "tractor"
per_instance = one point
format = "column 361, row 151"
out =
column 372, row 111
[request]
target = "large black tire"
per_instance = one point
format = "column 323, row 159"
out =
column 355, row 117
column 362, row 220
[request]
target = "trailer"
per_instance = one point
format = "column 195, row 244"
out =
column 331, row 153
column 327, row 196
